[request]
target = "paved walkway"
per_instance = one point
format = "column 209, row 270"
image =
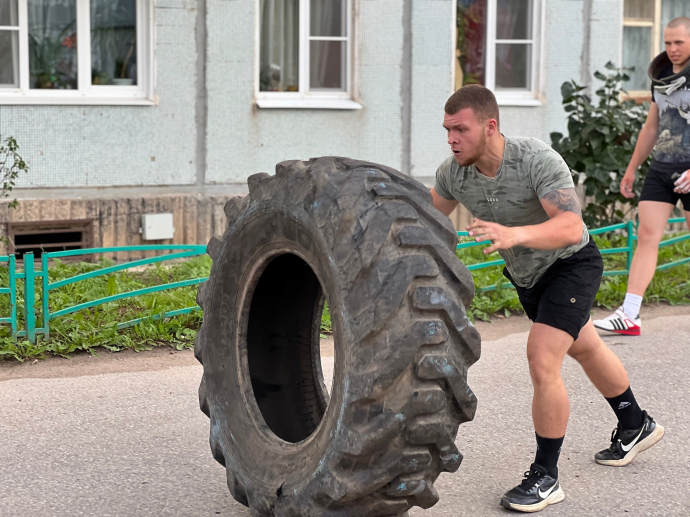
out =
column 135, row 444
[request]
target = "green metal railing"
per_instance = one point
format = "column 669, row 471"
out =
column 30, row 276
column 12, row 291
column 629, row 228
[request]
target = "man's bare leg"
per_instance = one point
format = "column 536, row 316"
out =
column 601, row 365
column 636, row 431
column 653, row 216
column 546, row 348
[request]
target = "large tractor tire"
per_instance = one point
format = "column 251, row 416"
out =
column 367, row 240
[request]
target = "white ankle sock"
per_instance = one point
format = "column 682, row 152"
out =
column 631, row 305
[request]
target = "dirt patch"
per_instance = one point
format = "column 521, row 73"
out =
column 81, row 364
column 164, row 357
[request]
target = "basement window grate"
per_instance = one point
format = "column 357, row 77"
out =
column 48, row 236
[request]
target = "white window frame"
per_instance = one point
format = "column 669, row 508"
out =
column 518, row 97
column 86, row 93
column 304, row 98
column 655, row 47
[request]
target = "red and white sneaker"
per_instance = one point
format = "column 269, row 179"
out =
column 620, row 323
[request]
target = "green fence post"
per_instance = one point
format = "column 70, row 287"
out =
column 46, row 313
column 13, row 295
column 30, row 314
column 630, row 244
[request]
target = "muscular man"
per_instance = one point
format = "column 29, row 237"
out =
column 668, row 127
column 523, row 200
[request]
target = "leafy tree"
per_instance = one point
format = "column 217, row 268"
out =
column 600, row 143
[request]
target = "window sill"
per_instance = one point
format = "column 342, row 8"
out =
column 329, row 104
column 56, row 100
column 519, row 101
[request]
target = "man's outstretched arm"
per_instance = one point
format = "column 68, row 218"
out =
column 564, row 227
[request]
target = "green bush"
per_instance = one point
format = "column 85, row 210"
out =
column 11, row 165
column 600, row 143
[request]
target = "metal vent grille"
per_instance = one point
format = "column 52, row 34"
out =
column 47, row 236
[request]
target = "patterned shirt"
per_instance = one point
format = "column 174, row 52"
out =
column 530, row 169
column 672, row 150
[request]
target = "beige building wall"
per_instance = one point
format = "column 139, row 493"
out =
column 116, row 220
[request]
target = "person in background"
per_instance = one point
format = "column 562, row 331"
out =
column 668, row 180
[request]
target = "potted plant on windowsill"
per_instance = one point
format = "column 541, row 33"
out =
column 121, row 66
column 113, row 38
column 49, row 69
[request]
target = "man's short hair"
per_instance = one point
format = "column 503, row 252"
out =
column 479, row 98
column 681, row 21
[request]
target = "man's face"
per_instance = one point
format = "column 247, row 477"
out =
column 677, row 42
column 466, row 136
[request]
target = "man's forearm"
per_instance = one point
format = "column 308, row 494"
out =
column 645, row 144
column 558, row 232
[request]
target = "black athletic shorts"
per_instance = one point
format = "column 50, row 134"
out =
column 563, row 296
column 658, row 186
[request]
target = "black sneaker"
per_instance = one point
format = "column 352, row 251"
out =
column 625, row 445
column 536, row 492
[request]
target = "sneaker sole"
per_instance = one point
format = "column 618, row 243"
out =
column 622, row 332
column 555, row 497
column 645, row 444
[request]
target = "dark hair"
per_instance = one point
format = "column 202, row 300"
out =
column 477, row 97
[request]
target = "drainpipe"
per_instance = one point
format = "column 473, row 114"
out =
column 406, row 90
column 201, row 104
column 585, row 70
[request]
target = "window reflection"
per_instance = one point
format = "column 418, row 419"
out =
column 113, row 42
column 52, row 44
column 279, row 69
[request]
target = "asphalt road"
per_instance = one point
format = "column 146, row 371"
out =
column 135, row 444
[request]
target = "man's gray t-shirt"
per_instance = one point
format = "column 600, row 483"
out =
column 530, row 170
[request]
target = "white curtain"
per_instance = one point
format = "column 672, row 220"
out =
column 113, row 41
column 9, row 59
column 513, row 60
column 326, row 17
column 279, row 56
column 636, row 44
column 9, row 45
column 52, row 43
column 327, row 58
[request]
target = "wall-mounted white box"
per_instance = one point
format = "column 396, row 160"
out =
column 155, row 227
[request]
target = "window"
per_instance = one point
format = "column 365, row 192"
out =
column 643, row 37
column 305, row 54
column 75, row 52
column 498, row 46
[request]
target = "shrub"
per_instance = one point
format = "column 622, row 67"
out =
column 11, row 165
column 600, row 143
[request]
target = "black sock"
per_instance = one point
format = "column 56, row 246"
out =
column 548, row 450
column 627, row 411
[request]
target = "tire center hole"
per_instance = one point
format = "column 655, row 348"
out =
column 287, row 359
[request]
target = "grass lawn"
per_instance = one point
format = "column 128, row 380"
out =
column 670, row 286
column 93, row 329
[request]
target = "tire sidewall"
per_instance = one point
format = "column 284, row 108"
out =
column 258, row 457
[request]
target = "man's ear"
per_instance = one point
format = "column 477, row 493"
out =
column 491, row 127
